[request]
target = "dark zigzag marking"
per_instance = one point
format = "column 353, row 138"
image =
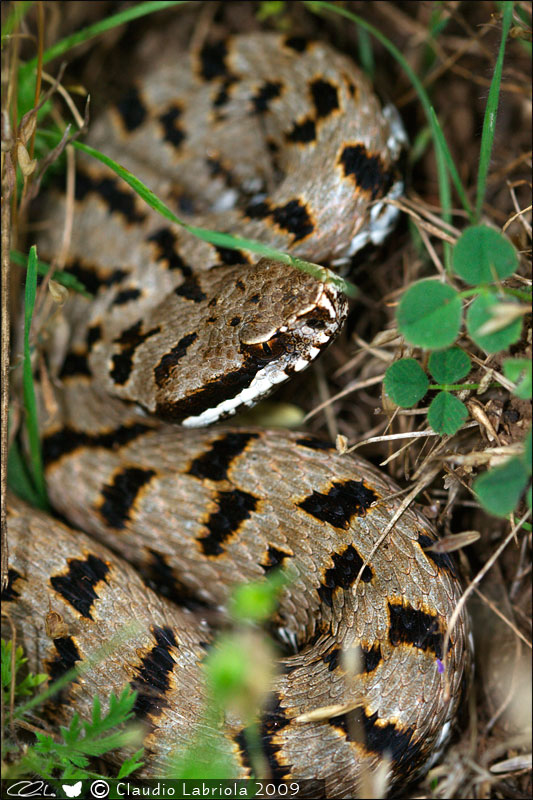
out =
column 325, row 97
column 130, row 340
column 368, row 659
column 94, row 334
column 173, row 133
column 267, row 92
column 410, row 626
column 91, row 276
column 314, row 443
column 131, row 109
column 153, row 681
column 273, row 719
column 367, row 170
column 222, row 96
column 169, row 360
column 343, row 501
column 231, row 257
column 443, row 561
column 67, row 440
column 117, row 199
column 75, row 363
column 346, row 567
column 215, row 462
column 166, row 243
column 274, row 558
column 213, row 60
column 233, row 508
column 297, row 43
column 78, row 585
column 400, row 745
column 294, row 218
column 9, row 592
column 67, row 655
column 190, row 289
column 120, row 495
column 125, row 296
column 302, row 132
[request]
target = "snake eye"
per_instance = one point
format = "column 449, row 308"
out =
column 267, row 351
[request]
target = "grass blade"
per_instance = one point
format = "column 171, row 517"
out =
column 12, row 22
column 489, row 122
column 30, row 405
column 64, row 278
column 441, row 146
column 91, row 31
column 214, row 237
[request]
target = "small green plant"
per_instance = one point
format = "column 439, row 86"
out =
column 430, row 316
column 66, row 755
column 11, row 665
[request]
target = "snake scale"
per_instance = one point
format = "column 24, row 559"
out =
column 283, row 140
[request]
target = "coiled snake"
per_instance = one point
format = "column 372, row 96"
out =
column 190, row 331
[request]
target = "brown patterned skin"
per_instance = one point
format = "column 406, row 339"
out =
column 180, row 328
column 318, row 195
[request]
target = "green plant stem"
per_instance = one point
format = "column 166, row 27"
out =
column 485, row 289
column 456, row 387
column 30, row 404
column 489, row 122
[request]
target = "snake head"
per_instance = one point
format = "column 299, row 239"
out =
column 200, row 355
column 276, row 320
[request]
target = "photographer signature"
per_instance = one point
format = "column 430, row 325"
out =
column 30, row 789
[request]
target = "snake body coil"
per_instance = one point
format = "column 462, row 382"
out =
column 191, row 331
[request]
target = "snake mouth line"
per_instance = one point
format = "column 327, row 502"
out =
column 244, row 387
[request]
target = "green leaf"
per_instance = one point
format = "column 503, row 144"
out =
column 429, row 315
column 483, row 255
column 518, row 370
column 130, row 764
column 406, row 382
column 449, row 366
column 446, row 413
column 483, row 310
column 499, row 489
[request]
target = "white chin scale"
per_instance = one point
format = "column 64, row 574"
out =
column 261, row 385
